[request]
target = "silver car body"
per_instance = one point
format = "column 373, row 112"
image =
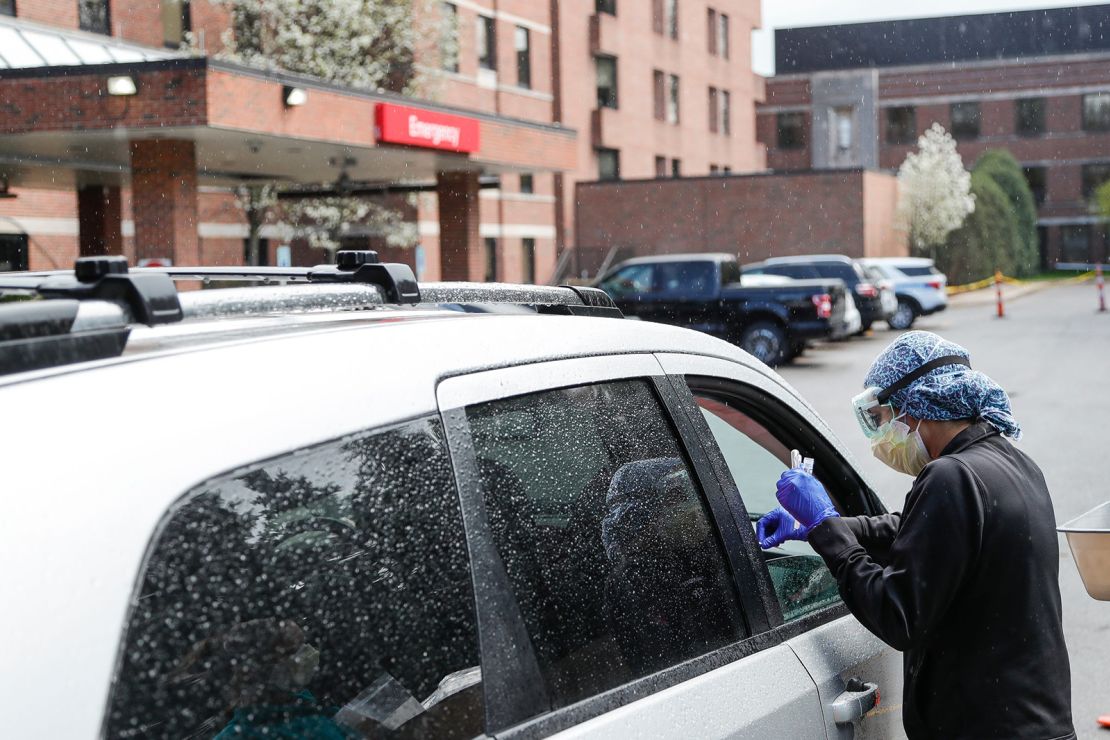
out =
column 87, row 487
column 930, row 299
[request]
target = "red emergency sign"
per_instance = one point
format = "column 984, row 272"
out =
column 401, row 124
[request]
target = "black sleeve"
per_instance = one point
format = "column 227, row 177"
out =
column 875, row 533
column 932, row 551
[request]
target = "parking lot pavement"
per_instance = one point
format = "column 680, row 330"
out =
column 1051, row 353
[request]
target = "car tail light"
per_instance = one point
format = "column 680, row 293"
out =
column 936, row 284
column 823, row 303
column 867, row 290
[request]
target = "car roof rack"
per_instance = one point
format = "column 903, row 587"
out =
column 88, row 313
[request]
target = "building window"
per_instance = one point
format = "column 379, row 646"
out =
column 659, row 94
column 1029, row 117
column 489, row 252
column 263, row 257
column 523, row 57
column 726, row 112
column 487, row 42
column 1075, row 243
column 13, row 252
column 726, row 170
column 1094, row 175
column 527, row 184
column 528, row 259
column 844, row 135
column 672, row 99
column 966, row 118
column 176, row 22
column 714, row 169
column 608, row 164
column 7, row 7
column 714, row 110
column 671, row 19
column 1096, row 112
column 451, row 34
column 901, row 124
column 606, row 6
column 606, row 81
column 93, row 15
column 660, row 166
column 1037, row 179
column 722, row 35
column 790, row 130
column 676, row 168
column 711, row 30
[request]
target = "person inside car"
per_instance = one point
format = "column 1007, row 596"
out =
column 964, row 580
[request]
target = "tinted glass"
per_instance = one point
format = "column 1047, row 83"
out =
column 756, row 459
column 685, row 278
column 1029, row 116
column 1096, row 112
column 790, row 130
column 901, row 125
column 605, row 536
column 965, row 120
column 325, row 593
column 1093, row 176
column 92, row 15
column 798, row 272
column 915, row 271
column 844, row 271
column 7, row 7
column 634, row 279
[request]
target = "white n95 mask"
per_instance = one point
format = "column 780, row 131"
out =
column 900, row 448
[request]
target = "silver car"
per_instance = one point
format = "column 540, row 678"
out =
column 268, row 512
column 921, row 289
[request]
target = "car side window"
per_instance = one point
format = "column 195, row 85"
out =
column 685, row 278
column 605, row 535
column 631, row 280
column 845, row 272
column 325, row 593
column 756, row 458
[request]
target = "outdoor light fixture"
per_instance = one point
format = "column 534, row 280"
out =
column 294, row 96
column 123, row 85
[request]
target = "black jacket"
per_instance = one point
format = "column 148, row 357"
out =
column 965, row 583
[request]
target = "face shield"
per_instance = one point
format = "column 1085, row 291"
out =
column 868, row 411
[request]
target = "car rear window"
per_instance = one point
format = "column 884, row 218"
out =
column 918, row 271
column 844, row 271
column 325, row 593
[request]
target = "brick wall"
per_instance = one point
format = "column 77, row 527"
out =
column 757, row 216
column 61, row 13
column 166, row 226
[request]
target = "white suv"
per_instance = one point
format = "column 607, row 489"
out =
column 444, row 514
column 920, row 287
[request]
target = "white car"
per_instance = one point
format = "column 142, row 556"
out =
column 367, row 508
column 921, row 289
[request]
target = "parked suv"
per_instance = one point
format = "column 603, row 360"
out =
column 920, row 287
column 864, row 292
column 363, row 507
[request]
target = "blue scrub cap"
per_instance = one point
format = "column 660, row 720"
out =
column 945, row 393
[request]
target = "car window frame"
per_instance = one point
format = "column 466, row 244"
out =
column 514, row 684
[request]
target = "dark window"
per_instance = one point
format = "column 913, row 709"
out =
column 93, row 15
column 730, row 272
column 657, row 16
column 917, row 271
column 606, row 6
column 685, row 278
column 487, row 42
column 13, row 252
column 631, row 280
column 901, row 124
column 176, row 22
column 527, row 184
column 711, row 31
column 790, row 130
column 451, row 32
column 263, row 258
column 606, row 81
column 1029, row 116
column 714, row 110
column 1094, row 175
column 798, row 272
column 722, row 36
column 844, row 271
column 660, row 166
column 726, row 112
column 756, row 459
column 659, row 94
column 1075, row 243
column 7, row 7
column 1096, row 112
column 332, row 578
column 966, row 120
column 608, row 164
column 672, row 99
column 1037, row 177
column 714, row 169
column 605, row 536
column 489, row 251
column 676, row 168
column 671, row 19
column 528, row 259
column 523, row 57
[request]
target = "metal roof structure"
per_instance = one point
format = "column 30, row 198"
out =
column 25, row 45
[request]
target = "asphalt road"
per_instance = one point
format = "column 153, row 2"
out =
column 1052, row 354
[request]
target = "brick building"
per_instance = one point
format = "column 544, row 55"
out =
column 1035, row 83
column 114, row 139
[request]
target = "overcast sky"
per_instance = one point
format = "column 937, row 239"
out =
column 790, row 13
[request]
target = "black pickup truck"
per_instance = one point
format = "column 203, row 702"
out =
column 704, row 292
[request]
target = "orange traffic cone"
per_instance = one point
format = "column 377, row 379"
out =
column 1104, row 721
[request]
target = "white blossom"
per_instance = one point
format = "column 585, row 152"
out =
column 934, row 190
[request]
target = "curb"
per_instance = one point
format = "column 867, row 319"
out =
column 986, row 296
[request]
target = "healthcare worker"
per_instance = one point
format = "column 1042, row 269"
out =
column 965, row 580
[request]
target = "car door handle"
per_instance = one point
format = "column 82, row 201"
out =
column 858, row 699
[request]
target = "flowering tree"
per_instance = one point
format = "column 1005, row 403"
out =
column 935, row 191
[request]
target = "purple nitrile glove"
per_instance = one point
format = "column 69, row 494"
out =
column 804, row 498
column 776, row 527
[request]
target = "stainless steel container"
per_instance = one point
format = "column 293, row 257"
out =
column 1089, row 539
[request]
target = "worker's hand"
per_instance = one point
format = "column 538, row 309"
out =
column 776, row 527
column 805, row 498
